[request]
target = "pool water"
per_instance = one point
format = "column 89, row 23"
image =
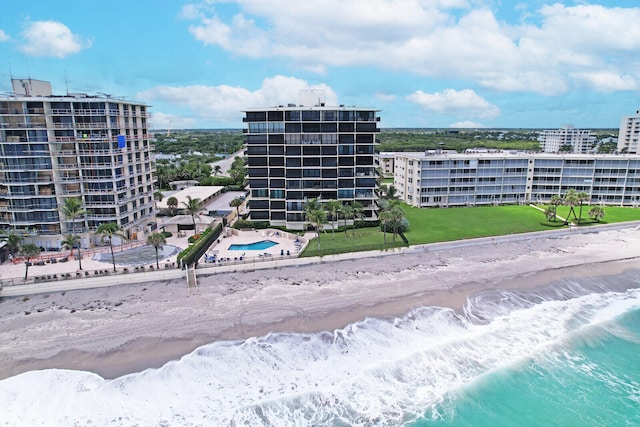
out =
column 255, row 246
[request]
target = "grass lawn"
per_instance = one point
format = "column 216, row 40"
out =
column 365, row 239
column 612, row 214
column 448, row 224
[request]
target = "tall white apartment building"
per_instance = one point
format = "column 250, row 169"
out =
column 436, row 179
column 629, row 134
column 580, row 140
column 93, row 148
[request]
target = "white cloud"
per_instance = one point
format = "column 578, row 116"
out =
column 466, row 124
column 51, row 38
column 224, row 104
column 441, row 39
column 464, row 102
column 605, row 81
column 3, row 36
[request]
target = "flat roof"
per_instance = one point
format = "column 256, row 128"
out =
column 311, row 107
column 513, row 154
column 201, row 192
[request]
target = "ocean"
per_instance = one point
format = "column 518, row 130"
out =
column 564, row 355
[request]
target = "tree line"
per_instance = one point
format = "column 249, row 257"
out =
column 391, row 216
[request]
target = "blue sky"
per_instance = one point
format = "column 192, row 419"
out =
column 424, row 63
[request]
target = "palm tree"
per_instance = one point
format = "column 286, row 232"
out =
column 109, row 231
column 358, row 213
column 28, row 251
column 582, row 197
column 317, row 218
column 390, row 193
column 217, row 169
column 396, row 214
column 192, row 206
column 333, row 208
column 312, row 205
column 596, row 213
column 172, row 204
column 156, row 240
column 71, row 242
column 570, row 199
column 385, row 218
column 157, row 197
column 13, row 240
column 347, row 213
column 553, row 206
column 236, row 203
column 72, row 209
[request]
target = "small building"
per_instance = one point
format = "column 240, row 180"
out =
column 206, row 194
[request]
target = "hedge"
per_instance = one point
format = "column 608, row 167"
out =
column 190, row 255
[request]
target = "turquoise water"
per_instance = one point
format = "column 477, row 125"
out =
column 256, row 246
column 565, row 355
column 591, row 378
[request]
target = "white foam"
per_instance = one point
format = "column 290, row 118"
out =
column 377, row 370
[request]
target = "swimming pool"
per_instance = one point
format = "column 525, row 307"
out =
column 255, row 246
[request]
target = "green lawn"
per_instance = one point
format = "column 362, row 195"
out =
column 448, row 224
column 612, row 214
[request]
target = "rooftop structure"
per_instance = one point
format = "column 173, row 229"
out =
column 54, row 147
column 296, row 153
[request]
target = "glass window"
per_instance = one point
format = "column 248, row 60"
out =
column 311, row 115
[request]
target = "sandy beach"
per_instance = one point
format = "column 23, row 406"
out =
column 124, row 329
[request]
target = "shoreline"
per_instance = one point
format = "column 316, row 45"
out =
column 129, row 328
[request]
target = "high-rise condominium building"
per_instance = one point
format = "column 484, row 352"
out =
column 629, row 134
column 296, row 153
column 580, row 141
column 54, row 147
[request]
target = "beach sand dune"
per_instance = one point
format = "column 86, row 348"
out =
column 118, row 330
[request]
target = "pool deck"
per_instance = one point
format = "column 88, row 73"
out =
column 13, row 274
column 288, row 245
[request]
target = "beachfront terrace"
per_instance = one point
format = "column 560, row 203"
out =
column 241, row 246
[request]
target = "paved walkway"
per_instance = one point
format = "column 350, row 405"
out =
column 543, row 210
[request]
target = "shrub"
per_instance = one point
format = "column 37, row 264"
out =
column 403, row 226
column 195, row 250
column 243, row 223
column 166, row 234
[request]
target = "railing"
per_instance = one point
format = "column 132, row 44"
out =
column 90, row 112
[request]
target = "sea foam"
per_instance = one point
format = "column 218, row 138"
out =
column 376, row 371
